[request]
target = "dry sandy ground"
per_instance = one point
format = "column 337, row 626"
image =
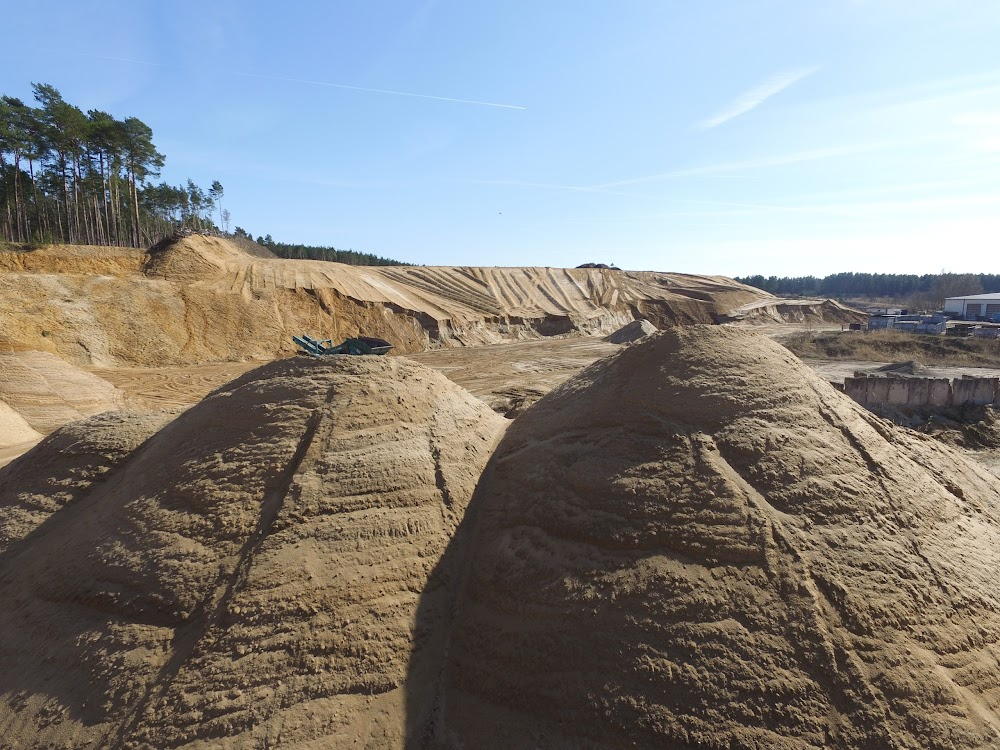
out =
column 697, row 543
column 836, row 370
column 509, row 377
column 700, row 543
column 203, row 300
column 246, row 576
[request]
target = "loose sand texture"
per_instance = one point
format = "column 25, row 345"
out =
column 66, row 466
column 203, row 299
column 171, row 387
column 811, row 312
column 634, row 331
column 246, row 577
column 14, row 429
column 47, row 392
column 511, row 377
column 698, row 543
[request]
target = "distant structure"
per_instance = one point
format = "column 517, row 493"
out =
column 886, row 310
column 975, row 307
column 932, row 324
column 873, row 391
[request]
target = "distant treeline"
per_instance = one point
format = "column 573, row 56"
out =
column 925, row 288
column 310, row 252
column 86, row 178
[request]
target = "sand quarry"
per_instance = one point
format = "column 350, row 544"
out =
column 517, row 533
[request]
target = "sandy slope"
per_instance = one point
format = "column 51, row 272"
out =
column 40, row 392
column 699, row 543
column 695, row 543
column 205, row 300
column 246, row 576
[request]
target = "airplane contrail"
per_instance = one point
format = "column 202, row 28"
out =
column 379, row 91
column 328, row 85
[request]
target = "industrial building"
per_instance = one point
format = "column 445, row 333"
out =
column 932, row 324
column 975, row 307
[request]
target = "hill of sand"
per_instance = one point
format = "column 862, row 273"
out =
column 203, row 299
column 247, row 575
column 698, row 543
column 807, row 311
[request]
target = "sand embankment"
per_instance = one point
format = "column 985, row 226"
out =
column 699, row 543
column 245, row 576
column 203, row 299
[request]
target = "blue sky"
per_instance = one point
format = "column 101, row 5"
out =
column 734, row 137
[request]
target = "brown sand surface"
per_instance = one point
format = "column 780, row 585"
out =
column 14, row 429
column 511, row 377
column 202, row 300
column 246, row 576
column 171, row 387
column 47, row 392
column 700, row 543
column 66, row 466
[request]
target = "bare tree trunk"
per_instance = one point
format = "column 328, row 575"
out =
column 104, row 195
column 34, row 193
column 135, row 203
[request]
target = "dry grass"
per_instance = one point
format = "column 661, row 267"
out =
column 893, row 346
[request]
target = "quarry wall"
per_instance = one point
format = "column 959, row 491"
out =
column 922, row 392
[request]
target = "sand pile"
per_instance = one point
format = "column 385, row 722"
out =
column 47, row 392
column 803, row 311
column 204, row 299
column 903, row 369
column 699, row 543
column 634, row 331
column 246, row 577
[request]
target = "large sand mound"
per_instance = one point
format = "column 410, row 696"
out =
column 246, row 577
column 203, row 299
column 699, row 543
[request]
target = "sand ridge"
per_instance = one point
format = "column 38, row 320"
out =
column 699, row 543
column 202, row 299
column 245, row 576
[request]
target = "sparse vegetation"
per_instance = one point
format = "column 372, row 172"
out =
column 71, row 177
column 893, row 346
column 926, row 292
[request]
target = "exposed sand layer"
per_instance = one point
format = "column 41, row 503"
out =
column 203, row 299
column 172, row 387
column 47, row 392
column 14, row 429
column 811, row 312
column 248, row 576
column 700, row 543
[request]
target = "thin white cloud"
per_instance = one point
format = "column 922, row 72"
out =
column 756, row 96
column 326, row 84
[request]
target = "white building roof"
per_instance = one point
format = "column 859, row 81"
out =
column 994, row 295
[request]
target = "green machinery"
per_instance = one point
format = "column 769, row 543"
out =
column 357, row 346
